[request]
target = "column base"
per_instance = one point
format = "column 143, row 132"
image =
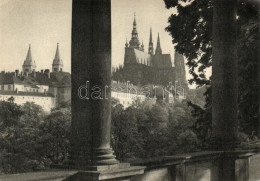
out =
column 98, row 158
column 103, row 157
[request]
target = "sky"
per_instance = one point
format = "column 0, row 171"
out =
column 44, row 23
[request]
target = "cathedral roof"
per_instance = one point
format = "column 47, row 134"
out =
column 141, row 56
column 162, row 61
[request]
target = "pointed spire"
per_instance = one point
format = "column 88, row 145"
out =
column 134, row 42
column 134, row 20
column 158, row 46
column 29, row 65
column 150, row 49
column 29, row 55
column 57, row 55
column 151, row 38
column 57, row 64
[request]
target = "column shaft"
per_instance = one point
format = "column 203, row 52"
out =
column 224, row 74
column 91, row 76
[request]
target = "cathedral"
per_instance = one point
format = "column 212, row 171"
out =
column 152, row 67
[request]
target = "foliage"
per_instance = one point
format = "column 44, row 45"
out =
column 142, row 131
column 126, row 140
column 191, row 30
column 9, row 114
column 29, row 139
column 20, row 140
column 55, row 132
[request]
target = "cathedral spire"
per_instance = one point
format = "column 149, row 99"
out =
column 134, row 20
column 57, row 55
column 158, row 46
column 134, row 42
column 57, row 64
column 29, row 55
column 150, row 49
column 29, row 64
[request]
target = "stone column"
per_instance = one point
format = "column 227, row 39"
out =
column 91, row 66
column 224, row 75
column 91, row 96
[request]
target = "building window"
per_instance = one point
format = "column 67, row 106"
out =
column 9, row 87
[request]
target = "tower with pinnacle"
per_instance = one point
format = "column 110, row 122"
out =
column 158, row 50
column 57, row 64
column 150, row 47
column 29, row 65
column 134, row 42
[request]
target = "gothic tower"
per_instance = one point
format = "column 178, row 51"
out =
column 150, row 49
column 158, row 50
column 57, row 64
column 29, row 65
column 134, row 42
column 180, row 72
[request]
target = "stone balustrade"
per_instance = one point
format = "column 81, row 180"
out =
column 197, row 166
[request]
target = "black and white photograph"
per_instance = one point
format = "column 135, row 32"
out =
column 129, row 90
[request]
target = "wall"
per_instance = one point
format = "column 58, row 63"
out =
column 45, row 102
column 126, row 99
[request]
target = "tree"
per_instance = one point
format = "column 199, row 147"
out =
column 55, row 133
column 31, row 140
column 142, row 131
column 126, row 140
column 9, row 114
column 191, row 30
column 20, row 138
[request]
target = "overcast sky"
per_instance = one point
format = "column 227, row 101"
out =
column 43, row 23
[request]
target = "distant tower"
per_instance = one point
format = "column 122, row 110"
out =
column 134, row 42
column 158, row 50
column 29, row 64
column 150, row 49
column 57, row 64
column 180, row 68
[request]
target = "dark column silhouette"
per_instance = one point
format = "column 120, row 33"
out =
column 91, row 61
column 224, row 75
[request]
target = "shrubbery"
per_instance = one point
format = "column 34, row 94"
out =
column 31, row 140
column 142, row 131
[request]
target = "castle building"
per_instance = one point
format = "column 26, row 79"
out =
column 143, row 68
column 44, row 88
